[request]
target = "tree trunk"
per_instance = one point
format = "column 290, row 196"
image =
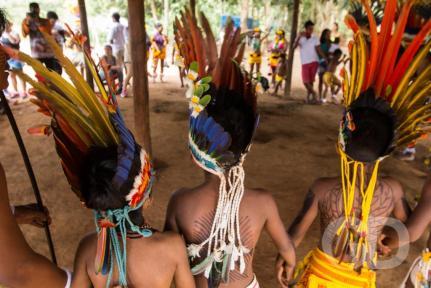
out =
column 166, row 14
column 154, row 10
column 244, row 14
column 267, row 14
column 293, row 33
column 140, row 75
column 86, row 33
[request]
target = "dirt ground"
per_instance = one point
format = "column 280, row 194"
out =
column 295, row 144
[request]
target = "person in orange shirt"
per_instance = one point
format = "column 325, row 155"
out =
column 32, row 26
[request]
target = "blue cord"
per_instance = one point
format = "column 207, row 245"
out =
column 120, row 217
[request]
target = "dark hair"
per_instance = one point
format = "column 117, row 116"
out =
column 309, row 23
column 338, row 52
column 108, row 46
column 374, row 129
column 98, row 169
column 323, row 38
column 3, row 20
column 33, row 5
column 116, row 16
column 52, row 15
column 337, row 40
column 336, row 25
column 235, row 116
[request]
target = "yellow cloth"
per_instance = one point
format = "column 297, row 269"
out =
column 319, row 270
column 279, row 78
column 255, row 58
column 159, row 54
column 331, row 80
column 274, row 58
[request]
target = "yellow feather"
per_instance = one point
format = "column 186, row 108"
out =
column 74, row 116
column 84, row 89
column 410, row 72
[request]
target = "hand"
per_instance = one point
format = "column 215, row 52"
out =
column 30, row 214
column 381, row 247
column 284, row 272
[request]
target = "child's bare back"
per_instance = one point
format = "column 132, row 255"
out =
column 153, row 262
column 191, row 213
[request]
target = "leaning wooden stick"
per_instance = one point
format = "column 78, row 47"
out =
column 30, row 172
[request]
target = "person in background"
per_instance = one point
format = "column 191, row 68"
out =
column 330, row 79
column 335, row 45
column 32, row 26
column 336, row 32
column 178, row 61
column 308, row 44
column 158, row 47
column 323, row 52
column 277, row 48
column 281, row 73
column 57, row 30
column 255, row 56
column 128, row 62
column 115, row 70
column 117, row 38
column 10, row 38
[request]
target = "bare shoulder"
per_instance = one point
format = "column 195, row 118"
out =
column 172, row 243
column 258, row 194
column 178, row 196
column 87, row 244
column 321, row 187
column 394, row 186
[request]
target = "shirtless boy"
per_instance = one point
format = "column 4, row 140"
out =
column 221, row 220
column 114, row 181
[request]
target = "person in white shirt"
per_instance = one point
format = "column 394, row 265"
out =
column 117, row 39
column 308, row 44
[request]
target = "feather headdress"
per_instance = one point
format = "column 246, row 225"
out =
column 80, row 121
column 392, row 86
column 222, row 124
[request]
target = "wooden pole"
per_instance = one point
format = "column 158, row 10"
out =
column 293, row 35
column 138, row 49
column 86, row 33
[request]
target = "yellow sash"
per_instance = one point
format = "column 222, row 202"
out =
column 323, row 271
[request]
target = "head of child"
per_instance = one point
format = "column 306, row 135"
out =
column 108, row 50
column 280, row 34
column 326, row 36
column 159, row 28
column 337, row 54
column 97, row 190
column 116, row 17
column 256, row 33
column 309, row 28
column 52, row 17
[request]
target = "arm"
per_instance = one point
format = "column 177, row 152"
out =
column 183, row 277
column 24, row 267
column 416, row 223
column 173, row 54
column 25, row 27
column 402, row 209
column 170, row 220
column 275, row 228
column 80, row 275
column 305, row 218
column 296, row 44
